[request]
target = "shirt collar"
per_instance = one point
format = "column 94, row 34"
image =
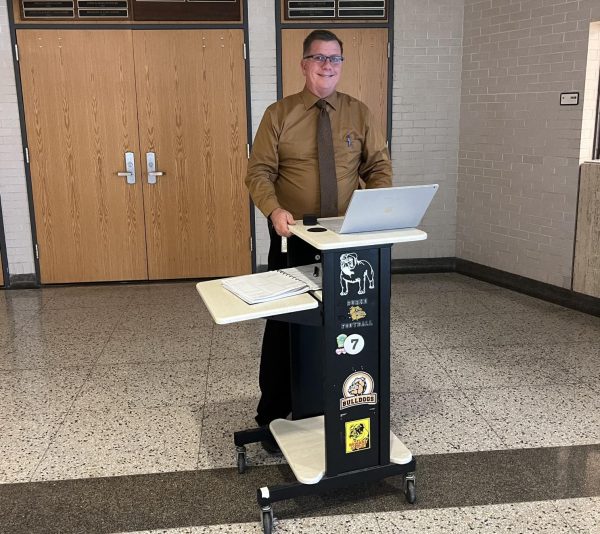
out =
column 310, row 100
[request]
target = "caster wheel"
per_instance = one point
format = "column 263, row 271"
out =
column 267, row 520
column 409, row 489
column 241, row 459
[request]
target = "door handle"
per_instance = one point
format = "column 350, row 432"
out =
column 151, row 168
column 130, row 166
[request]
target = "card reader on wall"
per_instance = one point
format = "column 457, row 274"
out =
column 569, row 99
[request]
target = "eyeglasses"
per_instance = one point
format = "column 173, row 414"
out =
column 320, row 58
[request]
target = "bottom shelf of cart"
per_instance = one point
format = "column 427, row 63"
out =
column 302, row 442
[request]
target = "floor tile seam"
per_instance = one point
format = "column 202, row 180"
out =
column 59, row 425
column 106, row 342
column 507, row 311
column 108, row 409
column 57, row 368
column 373, row 515
column 407, row 325
column 148, row 362
column 589, row 388
column 69, row 409
column 525, row 385
column 567, row 521
column 488, row 344
column 442, row 289
column 44, row 368
column 533, row 344
column 442, row 367
column 465, row 510
column 440, row 315
column 70, row 306
column 485, row 419
column 206, row 385
column 578, row 384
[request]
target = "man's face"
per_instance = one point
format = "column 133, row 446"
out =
column 322, row 78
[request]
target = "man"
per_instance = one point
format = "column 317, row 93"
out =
column 285, row 183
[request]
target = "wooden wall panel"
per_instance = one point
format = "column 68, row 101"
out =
column 192, row 113
column 80, row 111
column 586, row 272
column 365, row 69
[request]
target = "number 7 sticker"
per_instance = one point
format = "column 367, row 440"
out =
column 354, row 343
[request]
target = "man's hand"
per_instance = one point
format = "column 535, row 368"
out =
column 281, row 219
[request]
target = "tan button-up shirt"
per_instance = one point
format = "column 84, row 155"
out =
column 283, row 171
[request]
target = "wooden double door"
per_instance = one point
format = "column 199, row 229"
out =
column 137, row 148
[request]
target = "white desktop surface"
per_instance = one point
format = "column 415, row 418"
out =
column 329, row 240
column 226, row 308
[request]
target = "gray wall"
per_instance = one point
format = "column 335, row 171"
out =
column 519, row 150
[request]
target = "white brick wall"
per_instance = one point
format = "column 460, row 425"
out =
column 425, row 113
column 13, row 189
column 519, row 150
column 263, row 87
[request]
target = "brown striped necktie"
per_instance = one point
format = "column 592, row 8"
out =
column 328, row 180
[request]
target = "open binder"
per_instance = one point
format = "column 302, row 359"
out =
column 274, row 285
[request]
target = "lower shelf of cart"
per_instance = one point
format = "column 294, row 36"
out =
column 302, row 442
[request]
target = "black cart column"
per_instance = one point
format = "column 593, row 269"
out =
column 356, row 374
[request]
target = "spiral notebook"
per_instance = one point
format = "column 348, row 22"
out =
column 274, row 285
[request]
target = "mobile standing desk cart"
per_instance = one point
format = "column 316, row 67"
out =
column 339, row 434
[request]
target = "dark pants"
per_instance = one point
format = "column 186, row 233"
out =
column 274, row 377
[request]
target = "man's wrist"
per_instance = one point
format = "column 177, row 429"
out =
column 274, row 212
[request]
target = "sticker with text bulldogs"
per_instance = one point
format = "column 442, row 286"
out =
column 357, row 390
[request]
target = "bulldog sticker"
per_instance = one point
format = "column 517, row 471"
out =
column 358, row 389
column 355, row 271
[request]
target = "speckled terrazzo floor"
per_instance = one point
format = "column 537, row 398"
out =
column 105, row 383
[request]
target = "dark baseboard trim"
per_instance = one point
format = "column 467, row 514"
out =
column 22, row 281
column 515, row 282
column 528, row 286
column 424, row 265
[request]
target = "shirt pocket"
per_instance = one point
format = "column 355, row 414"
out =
column 348, row 150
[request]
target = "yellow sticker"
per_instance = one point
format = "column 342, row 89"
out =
column 358, row 435
column 356, row 313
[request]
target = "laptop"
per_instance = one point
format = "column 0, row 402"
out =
column 387, row 208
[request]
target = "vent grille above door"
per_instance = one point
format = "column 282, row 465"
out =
column 48, row 9
column 102, row 9
column 67, row 9
column 311, row 9
column 361, row 9
column 335, row 9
